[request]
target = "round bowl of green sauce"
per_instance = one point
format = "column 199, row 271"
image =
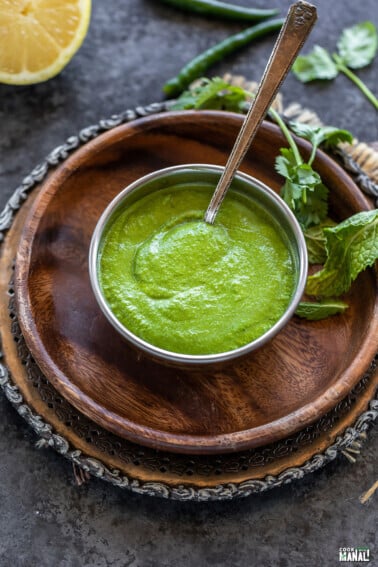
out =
column 190, row 293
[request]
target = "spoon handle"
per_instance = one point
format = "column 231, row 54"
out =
column 297, row 26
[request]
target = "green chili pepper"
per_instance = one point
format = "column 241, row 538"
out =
column 222, row 9
column 197, row 67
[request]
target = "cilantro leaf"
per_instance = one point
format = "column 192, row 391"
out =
column 315, row 209
column 213, row 94
column 285, row 163
column 358, row 45
column 320, row 310
column 351, row 247
column 304, row 130
column 357, row 48
column 303, row 190
column 329, row 136
column 317, row 135
column 316, row 65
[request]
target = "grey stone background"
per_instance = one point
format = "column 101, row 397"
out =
column 132, row 47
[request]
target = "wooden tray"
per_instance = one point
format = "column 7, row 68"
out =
column 302, row 374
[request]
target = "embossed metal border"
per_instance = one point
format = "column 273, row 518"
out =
column 183, row 491
column 95, row 467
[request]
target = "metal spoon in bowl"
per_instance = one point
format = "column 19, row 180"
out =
column 297, row 26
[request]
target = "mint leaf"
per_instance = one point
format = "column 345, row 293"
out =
column 316, row 65
column 351, row 247
column 358, row 45
column 321, row 310
column 316, row 242
column 213, row 94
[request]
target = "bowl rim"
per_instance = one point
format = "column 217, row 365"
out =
column 181, row 358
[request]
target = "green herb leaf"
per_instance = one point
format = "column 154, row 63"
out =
column 213, row 94
column 316, row 242
column 286, row 163
column 351, row 247
column 316, row 65
column 303, row 190
column 315, row 209
column 317, row 135
column 321, row 310
column 358, row 45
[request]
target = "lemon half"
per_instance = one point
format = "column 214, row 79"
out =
column 39, row 37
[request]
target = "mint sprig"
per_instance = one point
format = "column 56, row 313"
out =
column 320, row 310
column 357, row 47
column 351, row 247
column 316, row 242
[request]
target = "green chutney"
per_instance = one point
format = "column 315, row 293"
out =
column 193, row 288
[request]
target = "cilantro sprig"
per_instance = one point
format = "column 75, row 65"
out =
column 214, row 94
column 304, row 191
column 357, row 47
column 345, row 249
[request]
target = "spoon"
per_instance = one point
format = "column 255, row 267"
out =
column 297, row 26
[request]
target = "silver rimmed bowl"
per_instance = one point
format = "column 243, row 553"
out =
column 183, row 175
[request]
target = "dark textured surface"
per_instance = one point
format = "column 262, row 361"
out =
column 45, row 520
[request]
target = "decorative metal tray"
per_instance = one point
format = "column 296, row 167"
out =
column 148, row 470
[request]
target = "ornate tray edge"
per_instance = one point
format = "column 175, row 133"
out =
column 47, row 438
column 45, row 432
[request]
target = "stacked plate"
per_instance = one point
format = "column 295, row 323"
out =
column 203, row 434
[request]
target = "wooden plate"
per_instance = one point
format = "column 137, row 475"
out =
column 300, row 375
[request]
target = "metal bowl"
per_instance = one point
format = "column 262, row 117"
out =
column 171, row 176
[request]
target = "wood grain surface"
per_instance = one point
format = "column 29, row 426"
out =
column 287, row 384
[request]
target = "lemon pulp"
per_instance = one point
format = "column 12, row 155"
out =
column 39, row 37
